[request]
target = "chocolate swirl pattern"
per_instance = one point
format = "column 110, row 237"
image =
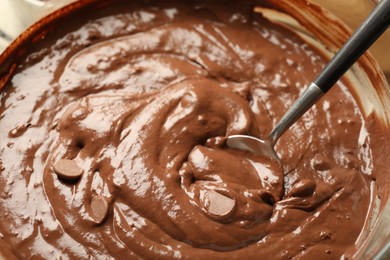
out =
column 126, row 124
column 163, row 149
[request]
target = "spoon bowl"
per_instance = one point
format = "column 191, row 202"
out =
column 253, row 145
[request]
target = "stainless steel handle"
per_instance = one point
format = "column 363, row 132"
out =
column 368, row 32
column 308, row 98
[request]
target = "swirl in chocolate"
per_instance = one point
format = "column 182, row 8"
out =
column 112, row 142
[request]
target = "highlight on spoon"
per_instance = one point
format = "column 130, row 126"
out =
column 253, row 145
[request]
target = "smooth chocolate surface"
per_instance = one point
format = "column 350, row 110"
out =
column 141, row 100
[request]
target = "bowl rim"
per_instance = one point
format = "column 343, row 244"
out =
column 19, row 48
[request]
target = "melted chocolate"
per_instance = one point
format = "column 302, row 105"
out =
column 141, row 101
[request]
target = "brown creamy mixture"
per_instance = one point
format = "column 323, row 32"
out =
column 112, row 142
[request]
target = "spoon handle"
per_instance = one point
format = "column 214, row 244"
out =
column 368, row 32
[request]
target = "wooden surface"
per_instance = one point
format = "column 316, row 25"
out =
column 353, row 12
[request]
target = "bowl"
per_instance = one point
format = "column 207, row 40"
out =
column 317, row 26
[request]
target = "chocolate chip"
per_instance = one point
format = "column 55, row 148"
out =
column 217, row 204
column 67, row 170
column 99, row 209
column 302, row 188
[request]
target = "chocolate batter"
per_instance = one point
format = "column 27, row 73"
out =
column 112, row 142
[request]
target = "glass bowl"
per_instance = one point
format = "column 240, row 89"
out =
column 318, row 26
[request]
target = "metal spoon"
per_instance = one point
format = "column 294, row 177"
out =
column 368, row 32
